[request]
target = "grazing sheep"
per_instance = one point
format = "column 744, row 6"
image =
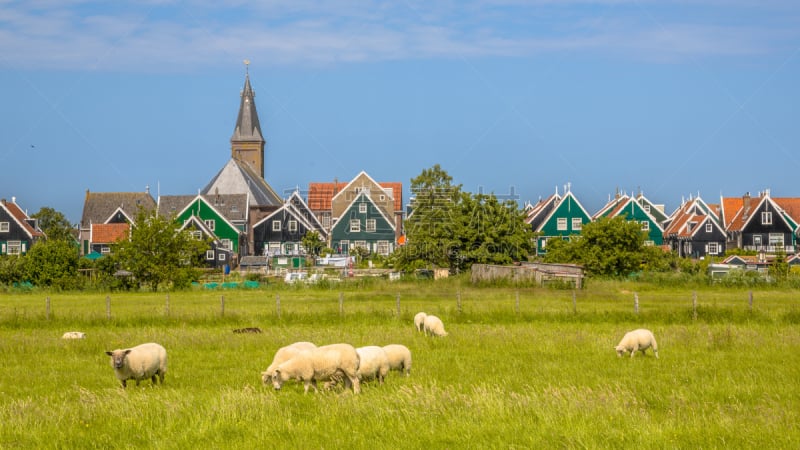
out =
column 373, row 363
column 419, row 321
column 434, row 326
column 138, row 363
column 247, row 330
column 74, row 335
column 284, row 354
column 399, row 358
column 320, row 364
column 640, row 340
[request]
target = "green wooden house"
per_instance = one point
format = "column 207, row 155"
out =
column 557, row 217
column 223, row 215
column 363, row 224
column 628, row 207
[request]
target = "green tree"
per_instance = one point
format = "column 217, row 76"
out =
column 53, row 263
column 54, row 224
column 487, row 231
column 157, row 252
column 608, row 247
column 455, row 229
column 312, row 242
column 428, row 241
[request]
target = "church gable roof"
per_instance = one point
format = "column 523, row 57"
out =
column 237, row 178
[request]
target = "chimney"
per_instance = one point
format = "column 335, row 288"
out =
column 746, row 203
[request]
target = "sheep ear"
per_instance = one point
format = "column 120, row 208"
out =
column 127, row 351
column 109, row 353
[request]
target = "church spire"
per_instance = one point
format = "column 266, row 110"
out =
column 247, row 142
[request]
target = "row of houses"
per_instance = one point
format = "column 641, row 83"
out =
column 242, row 215
column 696, row 229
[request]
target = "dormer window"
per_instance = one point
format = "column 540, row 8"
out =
column 766, row 218
column 709, row 227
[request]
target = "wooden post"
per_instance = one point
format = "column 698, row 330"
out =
column 166, row 306
column 397, row 305
column 341, row 303
column 750, row 301
column 47, row 308
column 222, row 305
column 574, row 303
column 278, row 305
column 458, row 301
column 108, row 307
column 635, row 303
column 516, row 304
column 694, row 305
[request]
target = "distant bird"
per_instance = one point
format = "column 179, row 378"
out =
column 33, row 146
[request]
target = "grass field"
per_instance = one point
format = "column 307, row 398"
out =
column 521, row 368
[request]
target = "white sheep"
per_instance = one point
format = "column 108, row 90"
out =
column 74, row 335
column 284, row 354
column 320, row 364
column 139, row 363
column 640, row 340
column 434, row 326
column 373, row 363
column 419, row 321
column 399, row 358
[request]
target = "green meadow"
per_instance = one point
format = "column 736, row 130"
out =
column 522, row 367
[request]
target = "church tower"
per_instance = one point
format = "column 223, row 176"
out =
column 247, row 142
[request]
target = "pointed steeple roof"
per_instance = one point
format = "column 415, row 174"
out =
column 247, row 129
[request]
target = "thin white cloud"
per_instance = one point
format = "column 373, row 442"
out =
column 159, row 34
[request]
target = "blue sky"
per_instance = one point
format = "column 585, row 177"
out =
column 674, row 98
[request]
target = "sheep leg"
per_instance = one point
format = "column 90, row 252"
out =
column 153, row 379
column 124, row 384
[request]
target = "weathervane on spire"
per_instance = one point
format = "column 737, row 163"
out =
column 247, row 66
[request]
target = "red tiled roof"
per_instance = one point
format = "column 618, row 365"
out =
column 790, row 205
column 321, row 194
column 106, row 233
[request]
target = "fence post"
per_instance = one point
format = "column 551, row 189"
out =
column 574, row 303
column 635, row 303
column 750, row 301
column 222, row 305
column 516, row 304
column 458, row 301
column 47, row 308
column 341, row 303
column 278, row 305
column 108, row 307
column 166, row 306
column 694, row 305
column 397, row 304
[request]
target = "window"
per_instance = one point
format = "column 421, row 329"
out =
column 383, row 248
column 646, row 208
column 371, row 225
column 713, row 248
column 709, row 228
column 210, row 223
column 645, row 225
column 766, row 218
column 288, row 248
column 577, row 223
column 196, row 235
column 234, row 208
column 4, row 227
column 757, row 240
column 362, row 208
column 361, row 244
column 276, row 225
column 326, row 220
column 105, row 249
column 293, row 226
column 222, row 256
column 355, row 225
column 561, row 224
column 14, row 247
column 776, row 239
column 649, row 243
column 383, row 197
column 209, row 255
column 226, row 243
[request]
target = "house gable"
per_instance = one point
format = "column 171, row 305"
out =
column 363, row 223
column 633, row 211
column 282, row 231
column 216, row 222
column 383, row 198
column 17, row 230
